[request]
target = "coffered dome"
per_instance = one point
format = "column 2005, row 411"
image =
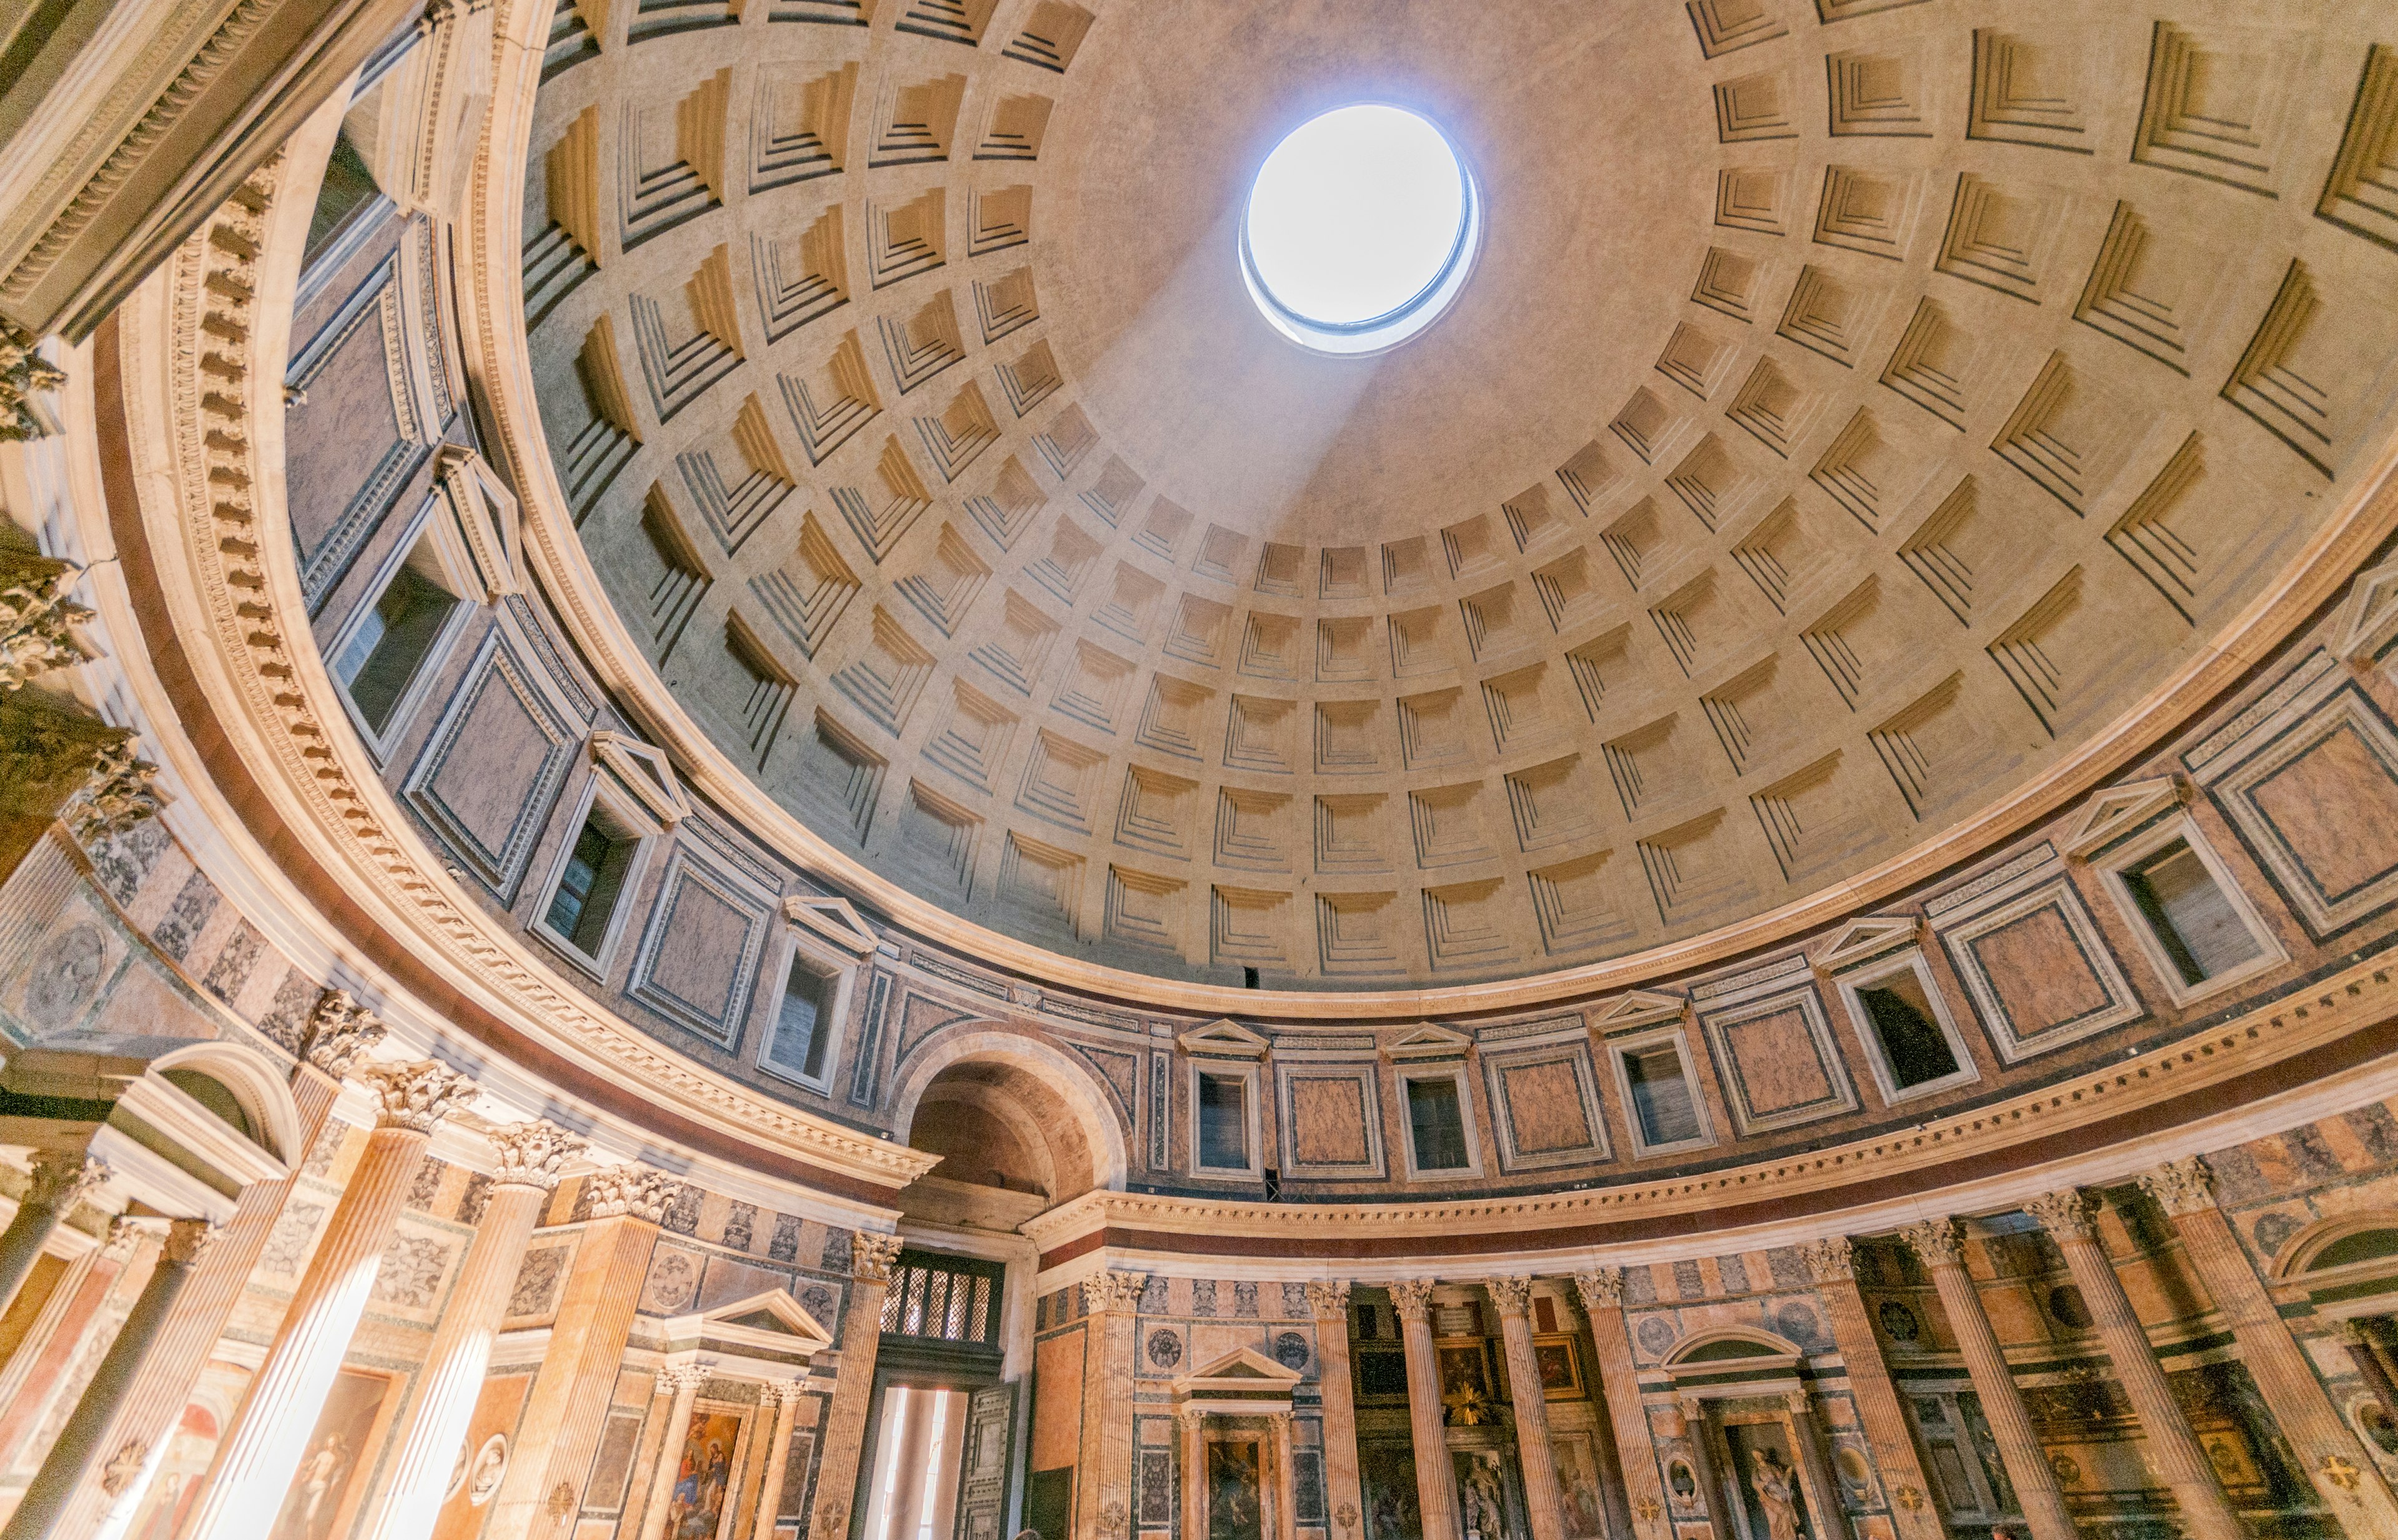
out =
column 1856, row 421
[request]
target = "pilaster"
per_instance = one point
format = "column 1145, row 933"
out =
column 1327, row 1301
column 871, row 1257
column 1601, row 1292
column 1435, row 1479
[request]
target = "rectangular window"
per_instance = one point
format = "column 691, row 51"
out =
column 1224, row 1122
column 2191, row 918
column 1439, row 1125
column 588, row 889
column 392, row 641
column 803, row 1024
column 1660, row 1096
column 1916, row 1049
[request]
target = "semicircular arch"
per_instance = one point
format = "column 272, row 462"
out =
column 1077, row 1089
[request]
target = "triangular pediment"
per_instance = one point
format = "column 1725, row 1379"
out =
column 1866, row 936
column 645, row 773
column 1428, row 1042
column 771, row 1321
column 1245, row 1371
column 1224, row 1038
column 832, row 919
column 488, row 517
column 2121, row 809
column 2369, row 619
column 1639, row 1007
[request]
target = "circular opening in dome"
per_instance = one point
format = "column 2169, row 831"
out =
column 1360, row 229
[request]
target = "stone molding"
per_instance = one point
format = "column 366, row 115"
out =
column 237, row 595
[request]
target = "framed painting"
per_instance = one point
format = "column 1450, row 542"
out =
column 1560, row 1366
column 341, row 1448
column 1578, row 1488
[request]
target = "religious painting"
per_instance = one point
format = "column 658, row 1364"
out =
column 1236, row 1492
column 177, row 1486
column 701, row 1503
column 1386, row 1478
column 1466, row 1383
column 334, row 1463
column 1579, row 1489
column 1560, row 1368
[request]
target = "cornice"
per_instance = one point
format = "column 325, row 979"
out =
column 2043, row 1121
column 500, row 362
column 213, row 517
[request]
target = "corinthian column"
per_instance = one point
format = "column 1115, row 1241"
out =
column 1513, row 1298
column 78, row 1445
column 871, row 1257
column 38, row 1371
column 2043, row 1504
column 1114, row 1301
column 1619, row 1380
column 2344, row 1474
column 559, row 1430
column 338, row 1032
column 1327, row 1301
column 262, row 1455
column 786, row 1394
column 683, row 1381
column 530, row 1155
column 61, row 1179
column 1435, row 1480
column 1884, row 1421
column 2180, row 1459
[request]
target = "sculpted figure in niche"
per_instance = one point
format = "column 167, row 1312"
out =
column 1478, row 1496
column 1776, row 1492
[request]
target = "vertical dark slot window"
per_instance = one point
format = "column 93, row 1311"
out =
column 1911, row 1040
column 1660, row 1096
column 1223, row 1122
column 2191, row 918
column 1439, row 1125
column 588, row 889
column 393, row 639
column 802, row 1028
column 348, row 188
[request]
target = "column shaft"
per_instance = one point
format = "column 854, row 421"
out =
column 2003, row 1403
column 39, row 1368
column 455, row 1366
column 1436, row 1477
column 1533, row 1456
column 1619, row 1383
column 559, row 1429
column 778, row 1459
column 2369, row 1367
column 2325, row 1443
column 77, row 1447
column 1829, row 1512
column 1195, row 1471
column 254, row 1469
column 1883, row 1419
column 2180, row 1459
column 685, row 1379
column 1329, row 1303
column 871, row 1257
column 1286, row 1485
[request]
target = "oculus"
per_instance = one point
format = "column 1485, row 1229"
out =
column 1360, row 228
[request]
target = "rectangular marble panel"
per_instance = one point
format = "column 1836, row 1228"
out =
column 1331, row 1120
column 700, row 953
column 1545, row 1106
column 2316, row 800
column 2038, row 972
column 1778, row 1061
column 492, row 769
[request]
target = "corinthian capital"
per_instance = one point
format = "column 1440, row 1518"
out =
column 1601, row 1288
column 531, row 1154
column 187, row 1241
column 1935, row 1240
column 416, row 1095
column 2183, row 1186
column 1110, row 1292
column 119, row 792
column 1413, row 1296
column 65, row 1178
column 630, row 1190
column 2064, row 1213
column 1829, row 1258
column 35, row 616
column 1513, row 1296
column 338, row 1031
column 1328, row 1298
column 872, row 1256
column 23, row 372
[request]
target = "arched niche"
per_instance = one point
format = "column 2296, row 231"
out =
column 1002, row 1086
column 240, row 1088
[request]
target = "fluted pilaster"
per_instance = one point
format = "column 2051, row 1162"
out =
column 1327, row 1301
column 1601, row 1292
column 871, row 1257
column 1436, row 1481
column 1832, row 1264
